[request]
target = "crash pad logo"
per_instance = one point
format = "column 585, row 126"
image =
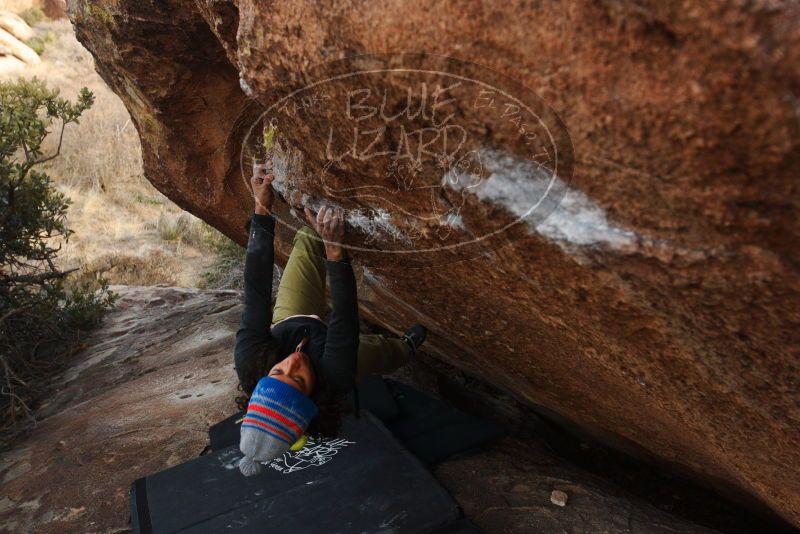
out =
column 425, row 153
column 315, row 454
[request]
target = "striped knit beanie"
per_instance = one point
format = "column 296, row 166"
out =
column 277, row 415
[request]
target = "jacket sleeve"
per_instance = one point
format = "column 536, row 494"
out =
column 256, row 317
column 339, row 360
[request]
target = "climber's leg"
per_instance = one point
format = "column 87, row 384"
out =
column 381, row 355
column 302, row 287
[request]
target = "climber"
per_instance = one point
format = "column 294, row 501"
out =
column 294, row 369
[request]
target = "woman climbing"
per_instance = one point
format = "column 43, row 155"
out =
column 293, row 368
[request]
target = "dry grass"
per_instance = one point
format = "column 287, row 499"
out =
column 124, row 228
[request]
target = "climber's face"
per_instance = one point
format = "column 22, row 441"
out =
column 296, row 371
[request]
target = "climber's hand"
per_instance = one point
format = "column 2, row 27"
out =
column 261, row 182
column 329, row 224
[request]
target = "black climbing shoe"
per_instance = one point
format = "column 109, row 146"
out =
column 415, row 337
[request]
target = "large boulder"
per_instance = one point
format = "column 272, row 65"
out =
column 656, row 306
column 11, row 46
column 18, row 6
column 14, row 25
column 55, row 9
column 9, row 65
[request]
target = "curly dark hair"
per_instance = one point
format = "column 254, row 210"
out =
column 253, row 371
column 332, row 404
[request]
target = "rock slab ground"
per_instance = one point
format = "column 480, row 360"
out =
column 158, row 373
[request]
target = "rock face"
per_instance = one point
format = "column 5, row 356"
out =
column 657, row 305
column 55, row 9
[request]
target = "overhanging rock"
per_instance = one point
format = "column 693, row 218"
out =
column 657, row 303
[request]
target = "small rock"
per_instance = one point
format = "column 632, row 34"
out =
column 520, row 488
column 558, row 497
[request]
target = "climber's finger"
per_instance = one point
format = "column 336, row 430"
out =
column 259, row 172
column 343, row 228
column 259, row 169
column 321, row 217
column 310, row 217
column 329, row 216
column 338, row 220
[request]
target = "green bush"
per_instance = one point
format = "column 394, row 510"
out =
column 144, row 199
column 41, row 316
column 38, row 43
column 182, row 228
column 32, row 16
column 227, row 270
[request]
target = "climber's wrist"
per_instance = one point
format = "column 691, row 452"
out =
column 260, row 209
column 334, row 253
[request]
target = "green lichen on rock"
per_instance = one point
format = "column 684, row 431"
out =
column 99, row 12
column 269, row 137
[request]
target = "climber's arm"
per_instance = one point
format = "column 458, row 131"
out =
column 258, row 265
column 339, row 360
column 341, row 345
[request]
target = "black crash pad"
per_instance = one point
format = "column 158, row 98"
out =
column 362, row 481
column 428, row 427
column 434, row 430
